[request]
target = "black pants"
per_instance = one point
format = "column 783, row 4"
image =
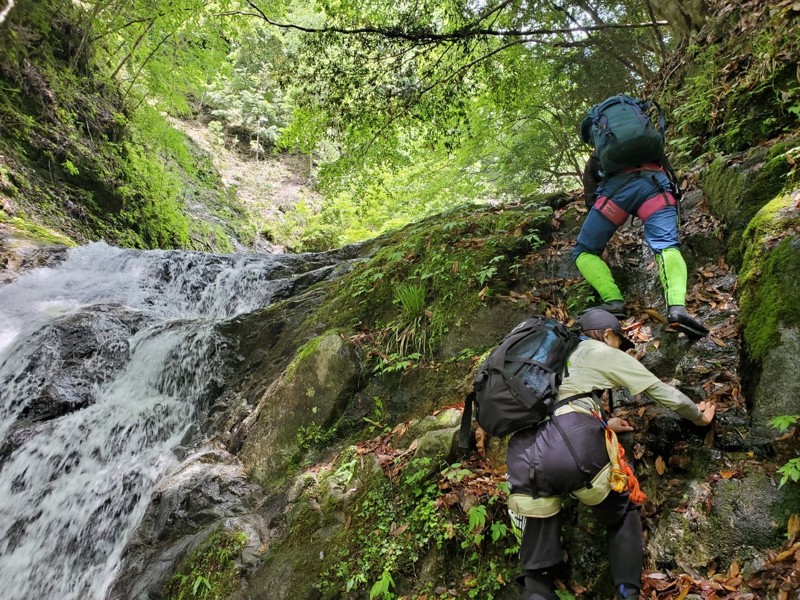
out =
column 555, row 472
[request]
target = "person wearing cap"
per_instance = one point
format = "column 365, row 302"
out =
column 649, row 192
column 568, row 454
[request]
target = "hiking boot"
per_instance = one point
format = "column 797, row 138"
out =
column 615, row 307
column 680, row 320
column 628, row 591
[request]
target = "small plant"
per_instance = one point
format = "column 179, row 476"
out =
column 312, row 435
column 409, row 331
column 70, row 168
column 489, row 270
column 381, row 587
column 210, row 571
column 376, row 422
column 791, row 470
column 397, row 362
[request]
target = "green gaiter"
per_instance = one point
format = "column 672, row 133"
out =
column 597, row 273
column 672, row 272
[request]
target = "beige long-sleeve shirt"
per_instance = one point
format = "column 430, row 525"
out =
column 594, row 365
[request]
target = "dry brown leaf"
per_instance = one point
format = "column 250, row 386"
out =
column 655, row 315
column 347, row 522
column 661, row 467
column 656, row 344
column 781, row 556
column 717, row 341
column 793, row 527
column 709, row 439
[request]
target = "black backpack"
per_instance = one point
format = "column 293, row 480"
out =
column 622, row 133
column 517, row 385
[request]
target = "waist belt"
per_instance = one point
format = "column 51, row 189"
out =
column 526, row 505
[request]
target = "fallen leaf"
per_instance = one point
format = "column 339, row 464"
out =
column 661, row 467
column 709, row 439
column 793, row 527
column 655, row 315
column 717, row 341
column 785, row 554
column 684, row 591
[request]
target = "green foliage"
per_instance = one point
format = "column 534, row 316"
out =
column 396, row 523
column 410, row 329
column 211, row 571
column 791, row 470
column 446, row 260
column 397, row 362
column 311, row 435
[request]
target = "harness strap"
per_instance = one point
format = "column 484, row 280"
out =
column 611, row 210
column 572, row 451
column 655, row 203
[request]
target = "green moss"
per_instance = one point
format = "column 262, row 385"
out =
column 306, row 350
column 768, row 281
column 736, row 194
column 36, row 232
column 211, row 571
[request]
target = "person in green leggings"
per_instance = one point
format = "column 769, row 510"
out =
column 646, row 192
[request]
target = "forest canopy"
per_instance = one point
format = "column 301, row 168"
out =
column 402, row 108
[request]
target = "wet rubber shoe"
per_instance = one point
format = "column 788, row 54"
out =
column 680, row 320
column 615, row 307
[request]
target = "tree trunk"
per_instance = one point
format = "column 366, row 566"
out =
column 684, row 16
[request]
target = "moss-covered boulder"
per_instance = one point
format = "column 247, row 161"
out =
column 737, row 187
column 301, row 406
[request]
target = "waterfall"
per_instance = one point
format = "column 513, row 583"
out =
column 106, row 362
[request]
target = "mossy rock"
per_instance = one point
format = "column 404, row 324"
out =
column 300, row 407
column 722, row 521
column 769, row 286
column 737, row 188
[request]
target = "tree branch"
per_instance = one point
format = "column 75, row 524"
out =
column 461, row 33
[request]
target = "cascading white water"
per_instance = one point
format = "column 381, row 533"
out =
column 74, row 487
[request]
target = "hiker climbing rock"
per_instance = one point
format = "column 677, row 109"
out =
column 628, row 174
column 545, row 462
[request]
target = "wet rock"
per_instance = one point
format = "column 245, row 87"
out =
column 209, row 489
column 718, row 521
column 69, row 358
column 779, row 385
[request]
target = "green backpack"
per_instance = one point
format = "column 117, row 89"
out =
column 622, row 133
